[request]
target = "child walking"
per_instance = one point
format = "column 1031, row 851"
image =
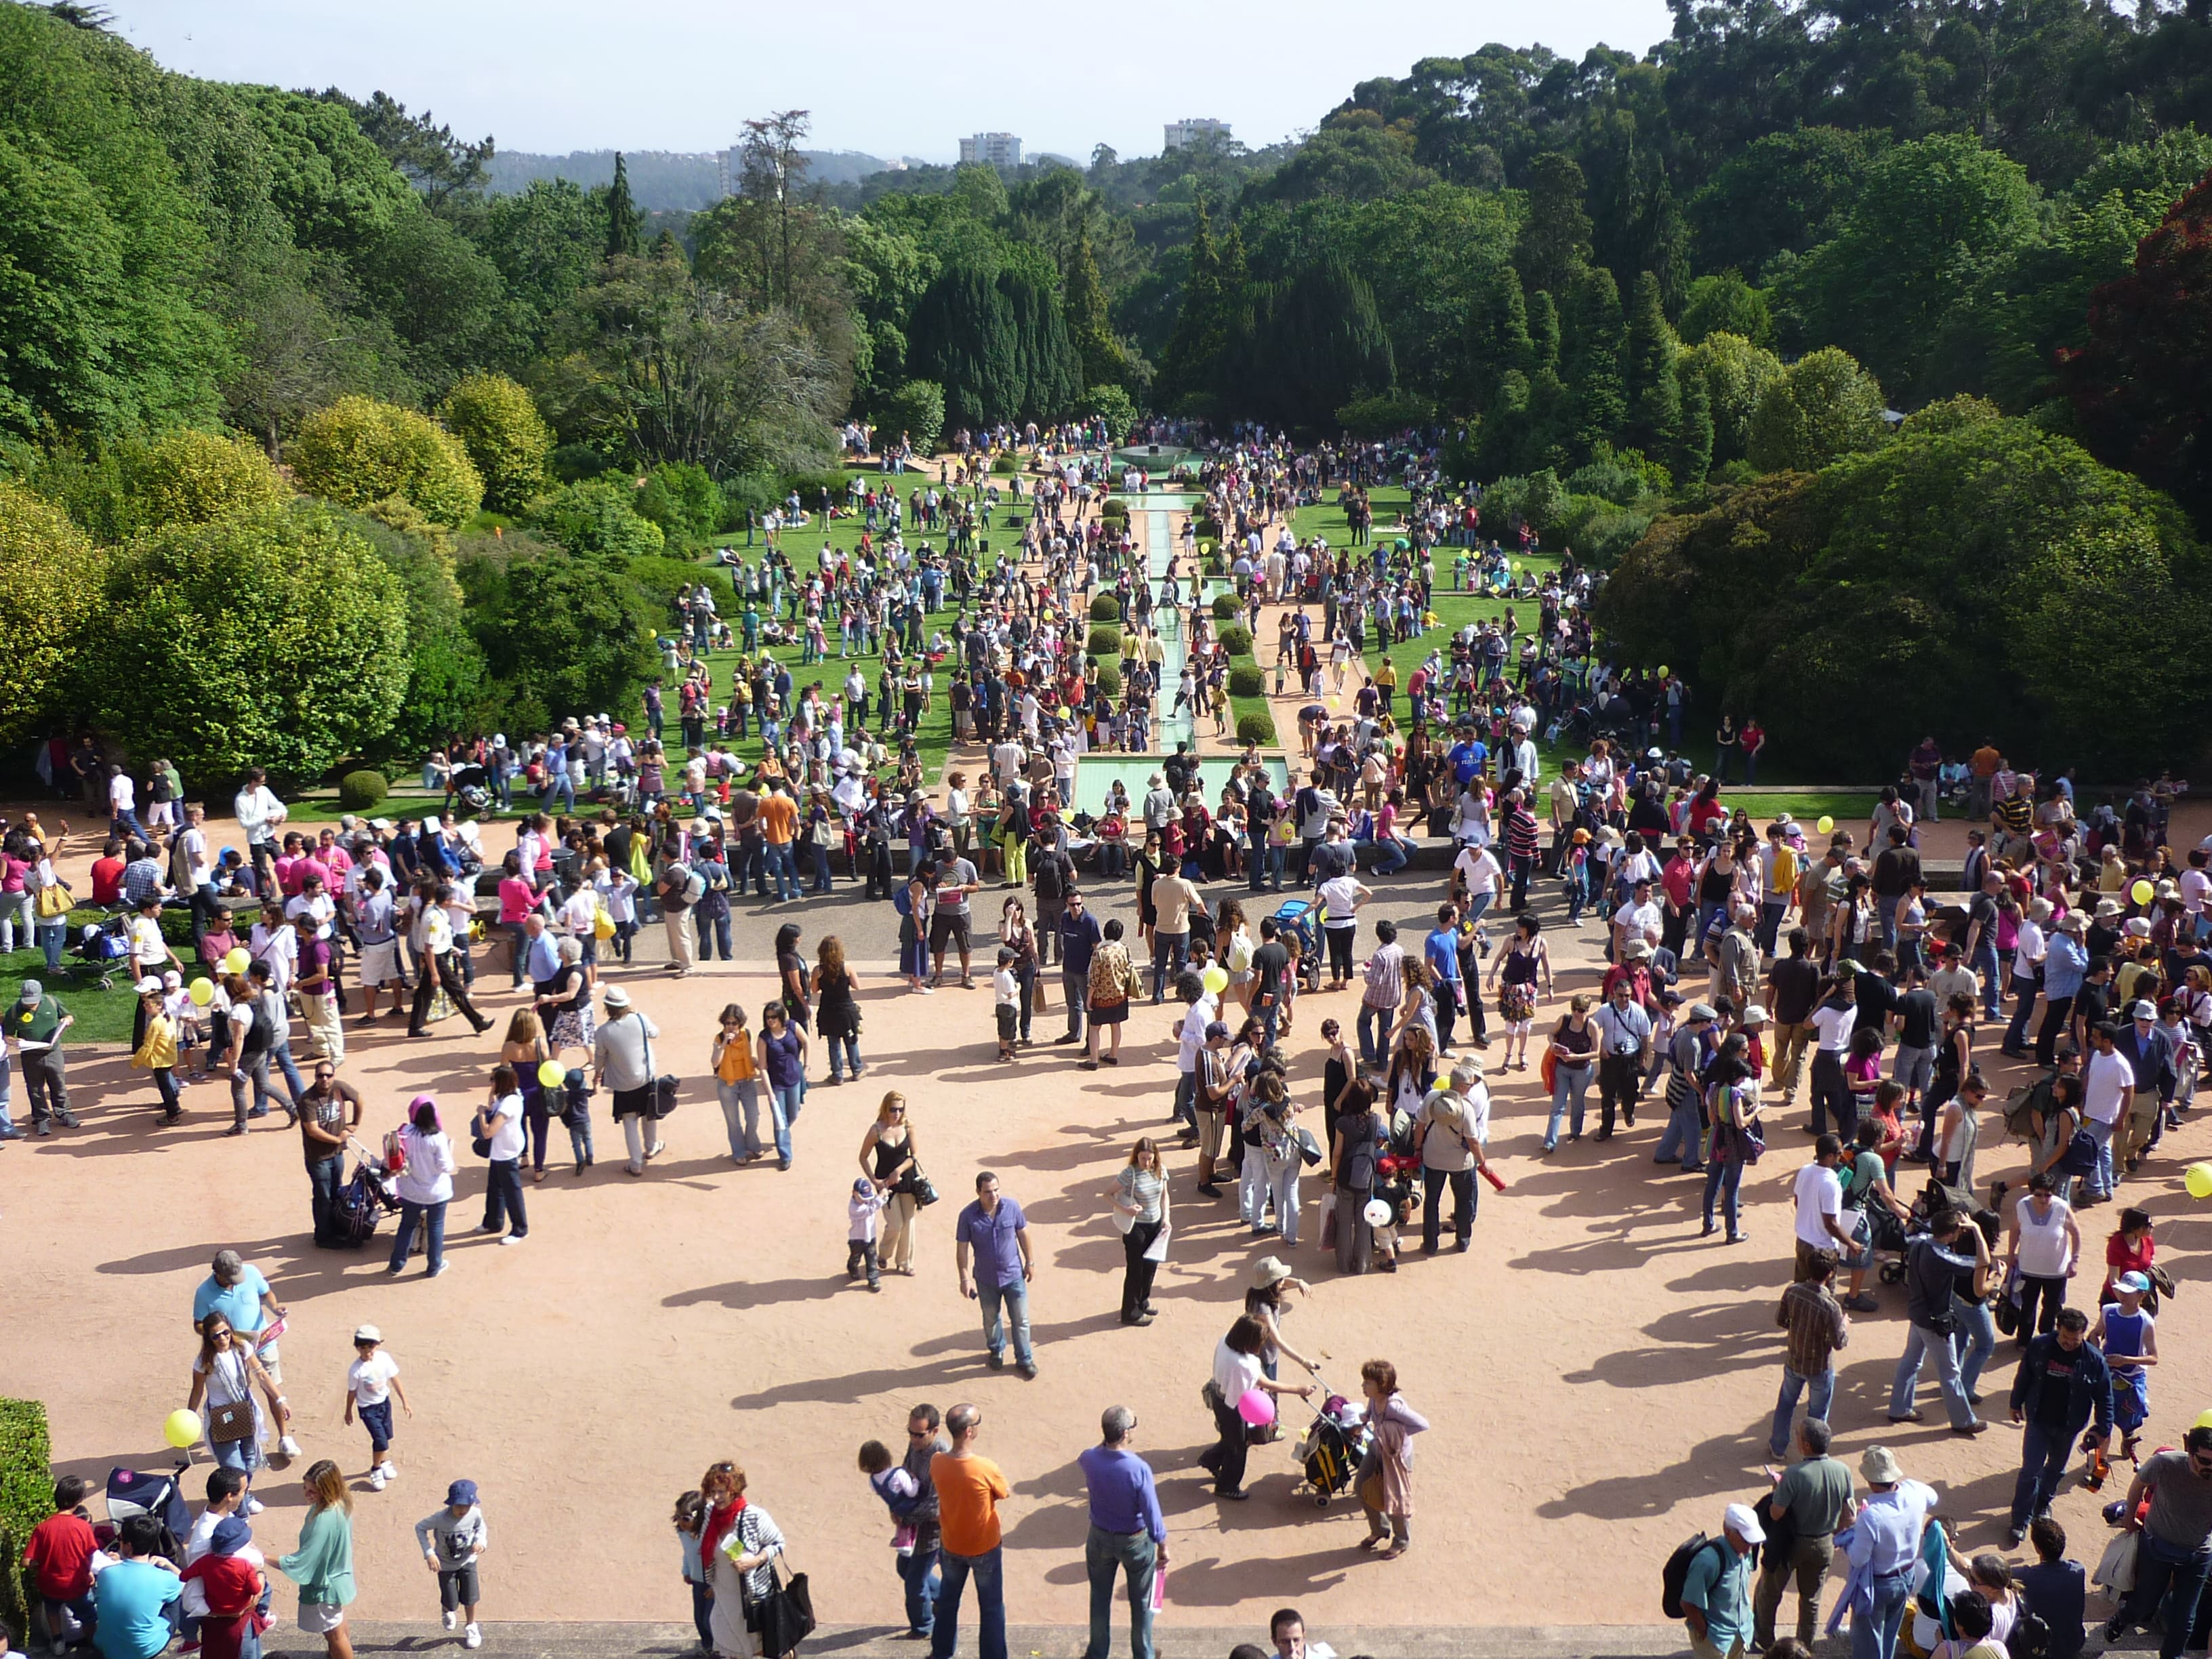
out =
column 371, row 1381
column 691, row 1514
column 1007, row 992
column 864, row 1213
column 453, row 1540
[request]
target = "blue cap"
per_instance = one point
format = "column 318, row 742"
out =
column 461, row 1491
column 231, row 1535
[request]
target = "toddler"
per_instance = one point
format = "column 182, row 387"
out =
column 1007, row 992
column 371, row 1381
column 901, row 1493
column 453, row 1540
column 865, row 1213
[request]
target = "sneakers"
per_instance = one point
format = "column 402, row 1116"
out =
column 376, row 1479
column 287, row 1446
column 251, row 1506
column 387, row 1470
column 473, row 1636
column 515, row 1238
column 451, row 1619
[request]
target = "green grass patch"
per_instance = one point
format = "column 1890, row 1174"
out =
column 101, row 1016
column 1850, row 808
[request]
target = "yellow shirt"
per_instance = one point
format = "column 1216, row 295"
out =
column 737, row 1066
column 159, row 1051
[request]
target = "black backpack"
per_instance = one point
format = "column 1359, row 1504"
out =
column 1677, row 1571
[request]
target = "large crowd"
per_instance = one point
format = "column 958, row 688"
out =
column 1746, row 966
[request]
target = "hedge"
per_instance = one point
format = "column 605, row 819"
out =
column 1256, row 728
column 362, row 791
column 1110, row 677
column 1005, row 465
column 1105, row 607
column 1105, row 640
column 1237, row 639
column 27, row 1498
column 1115, row 508
column 1227, row 605
column 1245, row 680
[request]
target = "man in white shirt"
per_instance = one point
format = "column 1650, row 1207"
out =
column 2108, row 1085
column 1475, row 880
column 1640, row 918
column 260, row 815
column 1819, row 1194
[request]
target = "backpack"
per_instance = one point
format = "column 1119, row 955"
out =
column 2023, row 1105
column 1677, row 1571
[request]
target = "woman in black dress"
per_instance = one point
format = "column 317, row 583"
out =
column 836, row 1015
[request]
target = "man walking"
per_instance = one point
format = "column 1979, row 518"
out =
column 2061, row 1383
column 1793, row 986
column 1818, row 1327
column 37, row 1022
column 2176, row 1552
column 1931, row 1277
column 1446, row 1131
column 1884, row 1548
column 1716, row 1591
column 1624, row 1032
column 1128, row 1536
column 917, row 1569
column 330, row 1115
column 968, row 1488
column 993, row 1231
column 1816, row 1497
column 1079, row 936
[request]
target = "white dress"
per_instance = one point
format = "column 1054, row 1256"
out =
column 725, row 1619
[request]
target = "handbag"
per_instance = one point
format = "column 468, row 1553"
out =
column 786, row 1618
column 226, row 1425
column 923, row 1189
column 664, row 1088
column 54, row 900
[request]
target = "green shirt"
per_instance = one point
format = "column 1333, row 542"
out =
column 322, row 1564
column 1718, row 1584
column 36, row 1025
column 1814, row 1492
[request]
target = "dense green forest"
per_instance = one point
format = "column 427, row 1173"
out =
column 267, row 326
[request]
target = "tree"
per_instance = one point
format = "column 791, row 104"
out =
column 2140, row 386
column 185, row 477
column 1821, row 406
column 1498, row 341
column 1778, row 195
column 1314, row 346
column 1555, row 236
column 595, row 519
column 498, row 423
column 1694, row 450
column 1593, row 344
column 449, row 171
column 1724, row 303
column 563, row 632
column 1111, row 403
column 274, row 637
column 446, row 666
column 1204, row 323
column 359, row 450
column 914, row 410
column 445, row 302
column 1655, row 398
column 962, row 338
column 1103, row 359
column 625, row 224
column 51, row 579
column 1046, row 365
column 1733, row 372
column 545, row 242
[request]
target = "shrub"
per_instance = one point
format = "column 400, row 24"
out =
column 915, row 410
column 506, row 438
column 1114, row 508
column 682, row 500
column 185, row 477
column 596, row 518
column 1245, row 680
column 1006, row 466
column 574, row 462
column 1105, row 607
column 27, row 1495
column 1105, row 640
column 1111, row 403
column 1256, row 727
column 663, row 576
column 357, row 450
column 1822, row 407
column 1227, row 606
column 363, row 791
column 50, row 579
column 1237, row 639
column 1110, row 677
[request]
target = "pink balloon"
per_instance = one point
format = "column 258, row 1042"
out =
column 1257, row 1407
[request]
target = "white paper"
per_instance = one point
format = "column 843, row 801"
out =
column 1158, row 1250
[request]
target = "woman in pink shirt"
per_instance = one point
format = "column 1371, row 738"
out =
column 518, row 897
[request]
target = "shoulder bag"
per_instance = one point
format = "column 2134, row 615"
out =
column 664, row 1088
column 226, row 1425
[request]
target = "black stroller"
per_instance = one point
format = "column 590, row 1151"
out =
column 366, row 1199
column 1330, row 1454
column 471, row 786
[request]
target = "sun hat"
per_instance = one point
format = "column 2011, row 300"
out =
column 617, row 997
column 461, row 1491
column 1739, row 1520
column 149, row 986
column 1879, row 1465
column 2108, row 908
column 1755, row 1015
column 1269, row 1270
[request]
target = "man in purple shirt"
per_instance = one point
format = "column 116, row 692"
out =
column 994, row 1231
column 1129, row 1535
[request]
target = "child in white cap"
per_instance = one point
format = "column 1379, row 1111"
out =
column 371, row 1381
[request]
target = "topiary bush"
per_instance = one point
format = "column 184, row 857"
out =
column 1237, row 639
column 363, row 791
column 1006, row 466
column 1105, row 607
column 1245, row 680
column 1110, row 677
column 1256, row 728
column 357, row 450
column 1105, row 640
column 1113, row 509
column 185, row 477
column 498, row 423
column 27, row 1498
column 1227, row 605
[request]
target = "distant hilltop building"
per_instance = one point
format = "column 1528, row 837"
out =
column 1192, row 129
column 998, row 149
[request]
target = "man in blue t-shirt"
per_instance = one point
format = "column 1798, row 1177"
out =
column 131, row 1599
column 995, row 1233
column 1467, row 757
column 242, row 1297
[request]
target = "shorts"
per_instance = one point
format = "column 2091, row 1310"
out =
column 320, row 1618
column 376, row 1420
column 1008, row 1020
column 1912, row 1068
column 949, row 924
column 457, row 1587
column 379, row 964
column 1211, row 1121
column 1860, row 1225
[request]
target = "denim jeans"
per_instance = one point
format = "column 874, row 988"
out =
column 1921, row 1342
column 433, row 1216
column 1464, row 1196
column 988, row 1571
column 848, row 1048
column 1570, row 1094
column 786, row 872
column 324, row 1177
column 2165, row 1573
column 1390, row 857
column 917, row 1571
column 1015, row 1299
column 1875, row 1636
column 1108, row 1556
column 1375, row 1033
column 2101, row 1180
column 783, row 1107
column 1724, row 1175
column 1973, row 1339
column 1684, row 1134
column 1171, row 951
column 2043, row 1458
column 1986, row 964
column 713, row 930
column 1822, row 1391
column 741, row 1116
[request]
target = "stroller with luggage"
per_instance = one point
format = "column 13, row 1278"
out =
column 1300, row 919
column 1329, row 1455
column 365, row 1198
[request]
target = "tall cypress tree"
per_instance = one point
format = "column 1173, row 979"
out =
column 1089, row 328
column 962, row 336
column 1593, row 341
column 1693, row 449
column 1555, row 238
column 625, row 224
column 1655, row 400
column 1200, row 331
column 1498, row 342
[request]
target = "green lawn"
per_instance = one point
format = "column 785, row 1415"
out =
column 101, row 1016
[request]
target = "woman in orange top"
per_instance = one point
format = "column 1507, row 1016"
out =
column 737, row 1082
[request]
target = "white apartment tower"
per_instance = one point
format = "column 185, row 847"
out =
column 1191, row 128
column 998, row 149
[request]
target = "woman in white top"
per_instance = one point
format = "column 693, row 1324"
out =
column 226, row 1373
column 2043, row 1242
column 1236, row 1372
column 423, row 1185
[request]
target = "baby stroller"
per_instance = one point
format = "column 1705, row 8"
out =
column 366, row 1199
column 129, row 1493
column 1330, row 1454
column 1298, row 917
column 100, row 953
column 470, row 785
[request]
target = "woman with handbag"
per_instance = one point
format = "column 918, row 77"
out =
column 1514, row 970
column 423, row 1183
column 566, row 1006
column 1384, row 1481
column 1141, row 1207
column 622, row 1062
column 783, row 1063
column 1237, row 1371
column 836, row 1015
column 1362, row 1135
column 740, row 1576
column 1113, row 983
column 1732, row 1115
column 888, row 1158
column 226, row 1374
column 1017, row 936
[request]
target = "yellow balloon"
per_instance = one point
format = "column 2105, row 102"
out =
column 2198, row 1179
column 2143, row 892
column 1663, row 670
column 202, row 992
column 238, row 960
column 1215, row 978
column 2204, row 1420
column 1825, row 824
column 181, row 1428
column 552, row 1073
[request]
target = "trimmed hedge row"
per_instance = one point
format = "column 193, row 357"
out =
column 27, row 1498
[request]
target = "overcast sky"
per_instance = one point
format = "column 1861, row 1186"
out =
column 562, row 74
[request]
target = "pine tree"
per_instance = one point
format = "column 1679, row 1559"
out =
column 1195, row 348
column 1090, row 330
column 963, row 337
column 1655, row 401
column 1555, row 238
column 1498, row 342
column 1693, row 449
column 625, row 224
column 1544, row 331
column 1593, row 344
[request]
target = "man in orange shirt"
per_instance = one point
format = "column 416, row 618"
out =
column 968, row 1489
column 779, row 821
column 1981, row 769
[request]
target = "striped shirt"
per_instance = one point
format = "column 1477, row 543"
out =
column 1386, row 976
column 1814, row 1320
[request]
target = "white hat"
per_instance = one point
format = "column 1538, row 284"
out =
column 1739, row 1520
column 367, row 1333
column 2142, row 1011
column 1879, row 1465
column 149, row 985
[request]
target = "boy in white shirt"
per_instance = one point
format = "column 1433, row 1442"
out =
column 1006, row 995
column 863, row 1217
column 371, row 1381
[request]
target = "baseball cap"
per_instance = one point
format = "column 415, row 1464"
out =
column 367, row 1333
column 2135, row 1282
column 1217, row 1029
column 1739, row 1520
column 461, row 1491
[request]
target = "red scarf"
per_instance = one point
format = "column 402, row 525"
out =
column 720, row 1519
